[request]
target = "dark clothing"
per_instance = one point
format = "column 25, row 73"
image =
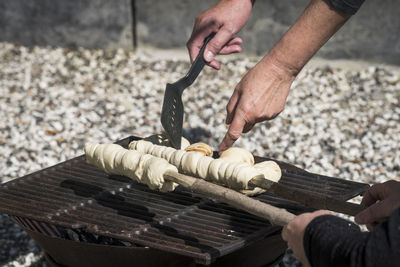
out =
column 332, row 241
column 346, row 6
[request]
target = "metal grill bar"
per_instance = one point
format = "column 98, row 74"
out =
column 75, row 195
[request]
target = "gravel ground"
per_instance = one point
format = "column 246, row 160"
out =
column 337, row 122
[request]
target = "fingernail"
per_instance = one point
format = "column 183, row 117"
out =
column 209, row 56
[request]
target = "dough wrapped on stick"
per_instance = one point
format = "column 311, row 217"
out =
column 148, row 169
column 186, row 162
column 234, row 170
column 202, row 148
column 270, row 169
column 190, row 161
column 237, row 154
column 143, row 168
column 202, row 167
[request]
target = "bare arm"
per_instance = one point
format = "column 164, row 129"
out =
column 307, row 35
column 261, row 94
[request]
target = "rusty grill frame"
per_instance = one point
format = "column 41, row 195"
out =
column 76, row 195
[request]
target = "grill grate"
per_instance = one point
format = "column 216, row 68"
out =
column 76, row 195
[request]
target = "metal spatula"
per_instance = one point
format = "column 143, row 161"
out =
column 172, row 110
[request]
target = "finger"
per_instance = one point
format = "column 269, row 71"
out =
column 234, row 132
column 217, row 43
column 214, row 64
column 235, row 41
column 284, row 233
column 226, row 50
column 374, row 193
column 231, row 106
column 233, row 46
column 376, row 212
column 196, row 40
column 322, row 212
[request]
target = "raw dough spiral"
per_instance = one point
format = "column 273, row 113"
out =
column 202, row 148
column 234, row 173
column 143, row 168
column 237, row 154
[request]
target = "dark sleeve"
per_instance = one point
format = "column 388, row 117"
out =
column 346, row 6
column 332, row 241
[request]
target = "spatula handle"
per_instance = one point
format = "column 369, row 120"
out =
column 198, row 64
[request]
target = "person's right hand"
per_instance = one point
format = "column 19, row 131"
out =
column 381, row 200
column 259, row 96
column 225, row 19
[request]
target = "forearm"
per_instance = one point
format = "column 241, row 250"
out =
column 331, row 241
column 306, row 36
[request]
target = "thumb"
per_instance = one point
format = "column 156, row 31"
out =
column 374, row 213
column 222, row 37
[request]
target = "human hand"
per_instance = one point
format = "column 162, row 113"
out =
column 381, row 200
column 259, row 96
column 293, row 233
column 225, row 19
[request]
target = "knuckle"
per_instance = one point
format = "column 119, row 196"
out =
column 215, row 45
column 271, row 114
column 281, row 107
column 199, row 17
column 234, row 134
column 229, row 28
column 189, row 44
column 373, row 188
column 247, row 109
column 289, row 228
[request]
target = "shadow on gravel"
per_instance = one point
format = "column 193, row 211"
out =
column 196, row 134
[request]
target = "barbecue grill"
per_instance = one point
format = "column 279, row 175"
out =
column 81, row 216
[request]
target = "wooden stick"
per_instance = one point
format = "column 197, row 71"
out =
column 307, row 199
column 274, row 215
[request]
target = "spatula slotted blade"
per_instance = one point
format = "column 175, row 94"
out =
column 172, row 110
column 172, row 114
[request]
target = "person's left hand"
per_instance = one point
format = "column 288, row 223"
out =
column 381, row 200
column 293, row 233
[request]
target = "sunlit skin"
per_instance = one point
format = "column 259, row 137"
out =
column 261, row 94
